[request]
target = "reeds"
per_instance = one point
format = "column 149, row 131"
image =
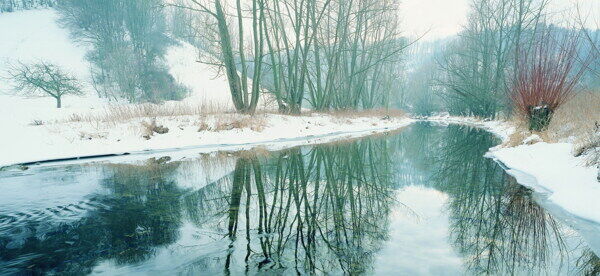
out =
column 578, row 121
column 122, row 113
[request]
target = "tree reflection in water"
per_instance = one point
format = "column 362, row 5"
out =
column 138, row 214
column 327, row 208
column 309, row 210
column 495, row 223
column 317, row 210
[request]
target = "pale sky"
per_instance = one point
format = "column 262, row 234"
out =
column 446, row 17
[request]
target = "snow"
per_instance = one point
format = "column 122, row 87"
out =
column 34, row 35
column 205, row 84
column 65, row 140
column 547, row 168
column 554, row 169
column 31, row 36
column 532, row 139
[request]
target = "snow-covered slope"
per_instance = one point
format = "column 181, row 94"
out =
column 205, row 84
column 34, row 35
column 31, row 36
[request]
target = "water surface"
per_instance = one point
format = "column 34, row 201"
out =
column 420, row 202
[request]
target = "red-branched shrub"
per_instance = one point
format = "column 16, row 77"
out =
column 546, row 76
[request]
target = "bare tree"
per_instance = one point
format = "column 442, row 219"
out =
column 593, row 40
column 479, row 64
column 331, row 54
column 223, row 27
column 44, row 79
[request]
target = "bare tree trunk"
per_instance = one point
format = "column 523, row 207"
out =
column 228, row 57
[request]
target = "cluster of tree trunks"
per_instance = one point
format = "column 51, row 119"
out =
column 330, row 54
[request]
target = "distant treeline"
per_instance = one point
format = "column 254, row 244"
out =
column 475, row 72
column 16, row 5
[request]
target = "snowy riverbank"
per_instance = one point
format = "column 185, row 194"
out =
column 73, row 139
column 548, row 168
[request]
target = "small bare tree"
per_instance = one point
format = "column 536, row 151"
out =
column 44, row 79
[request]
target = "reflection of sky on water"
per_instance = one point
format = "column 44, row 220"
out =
column 418, row 242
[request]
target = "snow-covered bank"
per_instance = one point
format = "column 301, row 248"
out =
column 548, row 168
column 552, row 168
column 499, row 128
column 73, row 139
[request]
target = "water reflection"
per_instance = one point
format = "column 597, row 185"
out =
column 495, row 223
column 311, row 210
column 139, row 214
column 588, row 263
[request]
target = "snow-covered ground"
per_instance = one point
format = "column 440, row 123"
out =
column 36, row 35
column 548, row 168
column 551, row 168
column 73, row 139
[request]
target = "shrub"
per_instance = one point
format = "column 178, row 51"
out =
column 546, row 77
column 149, row 129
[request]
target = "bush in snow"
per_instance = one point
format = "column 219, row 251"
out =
column 546, row 76
column 149, row 129
column 44, row 79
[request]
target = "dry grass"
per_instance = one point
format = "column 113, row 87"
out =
column 522, row 132
column 578, row 121
column 256, row 123
column 121, row 113
column 37, row 123
column 221, row 122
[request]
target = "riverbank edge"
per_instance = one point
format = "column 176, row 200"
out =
column 281, row 132
column 547, row 168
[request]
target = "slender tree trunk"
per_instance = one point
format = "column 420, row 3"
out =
column 228, row 58
column 58, row 102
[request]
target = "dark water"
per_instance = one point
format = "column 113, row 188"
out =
column 421, row 202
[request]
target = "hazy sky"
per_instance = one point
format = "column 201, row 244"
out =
column 446, row 17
